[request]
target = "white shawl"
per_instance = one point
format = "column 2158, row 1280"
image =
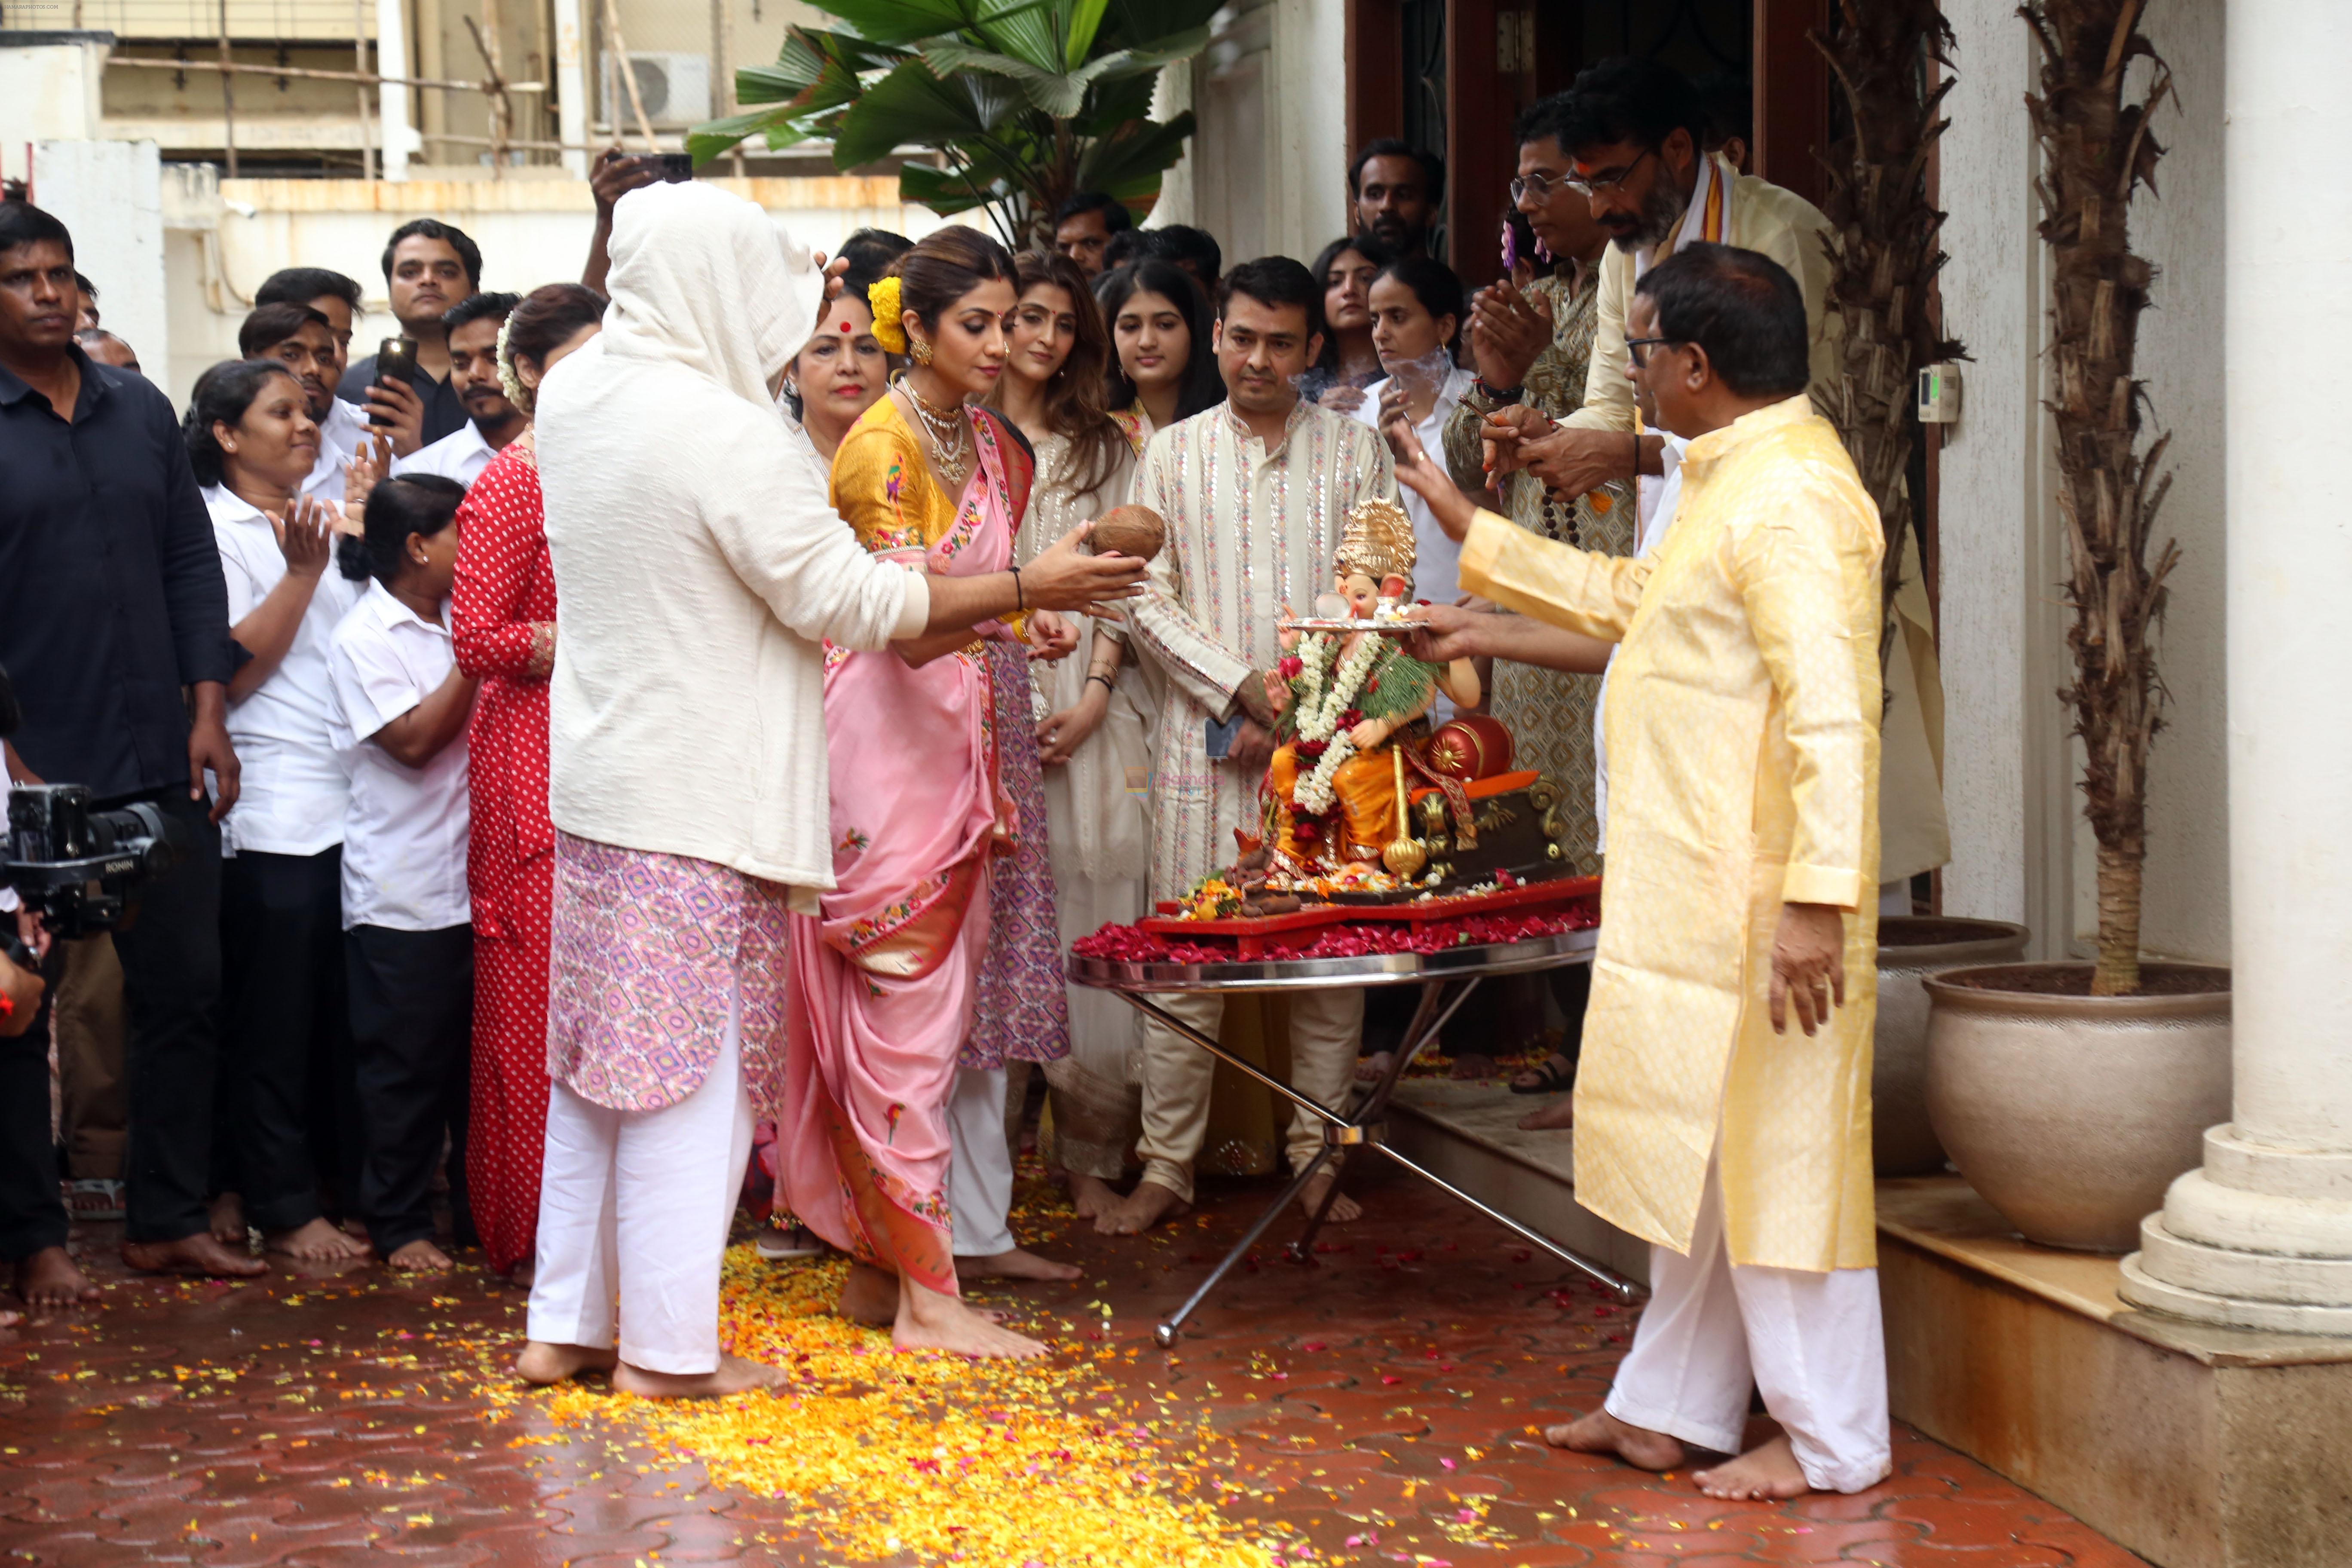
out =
column 699, row 566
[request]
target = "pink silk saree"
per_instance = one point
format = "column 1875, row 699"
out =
column 882, row 983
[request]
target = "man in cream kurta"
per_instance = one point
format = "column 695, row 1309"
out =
column 1656, row 193
column 1252, row 526
column 1742, row 722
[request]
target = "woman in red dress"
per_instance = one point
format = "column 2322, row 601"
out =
column 502, row 612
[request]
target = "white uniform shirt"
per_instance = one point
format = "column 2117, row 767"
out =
column 293, row 793
column 404, row 838
column 1654, row 532
column 461, row 455
column 340, row 435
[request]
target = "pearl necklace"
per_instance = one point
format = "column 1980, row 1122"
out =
column 949, row 430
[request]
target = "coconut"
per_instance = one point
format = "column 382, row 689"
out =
column 1135, row 531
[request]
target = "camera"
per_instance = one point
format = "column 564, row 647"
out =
column 72, row 865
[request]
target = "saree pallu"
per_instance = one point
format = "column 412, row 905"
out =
column 882, row 981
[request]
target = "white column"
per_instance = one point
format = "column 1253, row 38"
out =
column 399, row 137
column 571, row 89
column 2261, row 1236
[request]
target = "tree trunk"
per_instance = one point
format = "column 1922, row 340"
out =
column 1888, row 249
column 2117, row 974
column 2097, row 151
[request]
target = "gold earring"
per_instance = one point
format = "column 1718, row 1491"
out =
column 922, row 349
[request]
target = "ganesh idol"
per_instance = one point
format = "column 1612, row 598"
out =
column 1344, row 701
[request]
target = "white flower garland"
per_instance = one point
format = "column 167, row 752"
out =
column 1319, row 712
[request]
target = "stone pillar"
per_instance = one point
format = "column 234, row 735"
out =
column 571, row 89
column 2261, row 1236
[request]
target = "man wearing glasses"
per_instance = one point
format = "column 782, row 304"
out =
column 1635, row 135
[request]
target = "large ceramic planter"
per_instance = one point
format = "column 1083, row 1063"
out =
column 1903, row 1142
column 2072, row 1113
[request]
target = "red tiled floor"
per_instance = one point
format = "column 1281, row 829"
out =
column 1386, row 1395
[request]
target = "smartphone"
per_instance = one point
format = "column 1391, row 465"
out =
column 395, row 360
column 1221, row 737
column 672, row 168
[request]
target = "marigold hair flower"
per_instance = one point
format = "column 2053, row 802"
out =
column 888, row 330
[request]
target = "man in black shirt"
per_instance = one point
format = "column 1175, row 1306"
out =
column 428, row 265
column 114, row 626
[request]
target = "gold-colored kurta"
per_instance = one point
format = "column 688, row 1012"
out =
column 1743, row 728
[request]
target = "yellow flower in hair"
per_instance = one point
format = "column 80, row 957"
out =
column 888, row 330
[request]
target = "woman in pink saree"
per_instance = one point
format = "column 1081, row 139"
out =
column 883, row 977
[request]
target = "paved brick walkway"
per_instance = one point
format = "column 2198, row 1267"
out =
column 1374, row 1409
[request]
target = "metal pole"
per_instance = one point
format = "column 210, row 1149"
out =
column 228, row 95
column 723, row 25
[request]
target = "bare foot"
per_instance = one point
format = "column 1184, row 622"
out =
column 543, row 1362
column 524, row 1275
column 1374, row 1068
column 1558, row 1114
column 1017, row 1264
column 1141, row 1210
column 50, row 1278
column 1602, row 1433
column 199, row 1255
column 735, row 1376
column 315, row 1241
column 1767, row 1474
column 1091, row 1195
column 869, row 1296
column 1342, row 1210
column 228, row 1219
column 419, row 1256
column 930, row 1321
column 1471, row 1065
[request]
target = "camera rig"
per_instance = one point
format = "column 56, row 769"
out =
column 72, row 865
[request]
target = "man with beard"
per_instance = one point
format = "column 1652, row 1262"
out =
column 428, row 265
column 1635, row 129
column 491, row 421
column 1393, row 189
column 303, row 341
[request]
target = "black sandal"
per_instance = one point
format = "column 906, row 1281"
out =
column 1550, row 1077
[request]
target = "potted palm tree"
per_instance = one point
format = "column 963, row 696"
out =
column 1024, row 105
column 1882, row 269
column 2072, row 1094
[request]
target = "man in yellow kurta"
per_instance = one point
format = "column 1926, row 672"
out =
column 1739, row 887
column 1634, row 138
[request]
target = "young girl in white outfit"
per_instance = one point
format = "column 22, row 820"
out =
column 401, row 708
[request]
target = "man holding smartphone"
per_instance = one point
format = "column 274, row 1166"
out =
column 428, row 265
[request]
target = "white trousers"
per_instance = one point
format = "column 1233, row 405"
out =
column 979, row 1165
column 1325, row 1028
column 1811, row 1342
column 635, row 1205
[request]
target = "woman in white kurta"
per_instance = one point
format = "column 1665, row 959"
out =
column 1090, row 711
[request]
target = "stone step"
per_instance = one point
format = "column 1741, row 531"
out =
column 1468, row 1133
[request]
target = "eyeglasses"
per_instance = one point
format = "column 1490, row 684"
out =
column 1634, row 346
column 1607, row 184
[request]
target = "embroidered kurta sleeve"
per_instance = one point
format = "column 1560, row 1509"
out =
column 1579, row 590
column 499, row 541
column 783, row 539
column 1807, row 572
column 1208, row 671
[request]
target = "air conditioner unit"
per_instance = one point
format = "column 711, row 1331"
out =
column 673, row 88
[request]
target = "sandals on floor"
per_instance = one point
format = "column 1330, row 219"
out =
column 785, row 1245
column 94, row 1199
column 1550, row 1078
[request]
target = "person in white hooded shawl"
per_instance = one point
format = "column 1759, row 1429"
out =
column 701, row 571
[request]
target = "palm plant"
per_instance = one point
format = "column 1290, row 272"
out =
column 1026, row 103
column 1887, row 248
column 2096, row 151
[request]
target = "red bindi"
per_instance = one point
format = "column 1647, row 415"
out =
column 844, row 329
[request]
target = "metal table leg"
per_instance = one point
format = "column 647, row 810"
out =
column 1364, row 1128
